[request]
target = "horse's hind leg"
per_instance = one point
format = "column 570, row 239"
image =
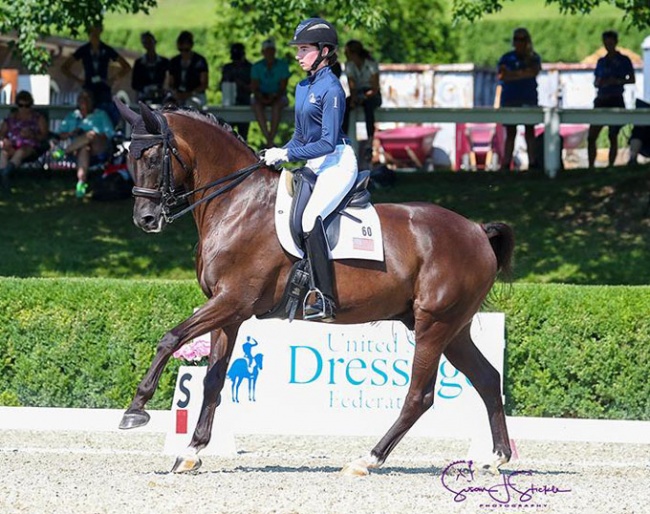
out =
column 222, row 344
column 467, row 359
column 431, row 338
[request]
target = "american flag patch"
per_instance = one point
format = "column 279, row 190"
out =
column 362, row 243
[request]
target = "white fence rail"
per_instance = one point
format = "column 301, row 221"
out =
column 551, row 118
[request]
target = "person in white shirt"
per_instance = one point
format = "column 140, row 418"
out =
column 362, row 72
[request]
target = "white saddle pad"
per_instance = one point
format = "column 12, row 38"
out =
column 356, row 240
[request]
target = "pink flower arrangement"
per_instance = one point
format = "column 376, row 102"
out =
column 195, row 351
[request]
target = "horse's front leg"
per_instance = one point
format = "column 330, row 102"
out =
column 135, row 416
column 222, row 344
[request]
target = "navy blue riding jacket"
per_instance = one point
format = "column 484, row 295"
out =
column 320, row 106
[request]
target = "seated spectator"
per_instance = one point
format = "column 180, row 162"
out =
column 23, row 134
column 363, row 81
column 90, row 131
column 269, row 78
column 150, row 72
column 238, row 71
column 639, row 144
column 188, row 74
column 96, row 57
column 639, row 138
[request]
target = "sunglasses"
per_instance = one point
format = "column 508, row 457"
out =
column 184, row 50
column 519, row 38
column 24, row 105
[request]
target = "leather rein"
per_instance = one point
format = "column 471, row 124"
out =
column 167, row 193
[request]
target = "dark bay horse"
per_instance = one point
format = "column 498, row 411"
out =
column 437, row 271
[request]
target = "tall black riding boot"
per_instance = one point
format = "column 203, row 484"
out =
column 319, row 302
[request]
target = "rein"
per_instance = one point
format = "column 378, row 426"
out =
column 166, row 192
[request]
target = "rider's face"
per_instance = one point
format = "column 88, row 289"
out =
column 306, row 55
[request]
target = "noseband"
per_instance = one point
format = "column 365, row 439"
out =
column 166, row 192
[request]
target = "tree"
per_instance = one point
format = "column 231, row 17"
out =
column 637, row 12
column 32, row 19
column 286, row 14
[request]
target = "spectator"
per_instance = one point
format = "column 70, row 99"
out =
column 517, row 72
column 639, row 138
column 150, row 72
column 90, row 131
column 23, row 134
column 363, row 81
column 269, row 78
column 612, row 72
column 239, row 72
column 95, row 57
column 188, row 73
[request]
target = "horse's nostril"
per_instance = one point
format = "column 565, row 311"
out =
column 148, row 220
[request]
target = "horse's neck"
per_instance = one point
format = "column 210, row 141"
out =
column 254, row 197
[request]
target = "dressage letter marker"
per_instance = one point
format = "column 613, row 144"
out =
column 186, row 406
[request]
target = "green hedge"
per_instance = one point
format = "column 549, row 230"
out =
column 578, row 351
column 572, row 351
column 86, row 342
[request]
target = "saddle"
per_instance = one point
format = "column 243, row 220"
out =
column 302, row 186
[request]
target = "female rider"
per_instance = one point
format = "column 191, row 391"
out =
column 319, row 139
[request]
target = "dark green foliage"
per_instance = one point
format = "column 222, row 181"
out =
column 573, row 351
column 86, row 342
column 578, row 351
column 569, row 39
column 406, row 39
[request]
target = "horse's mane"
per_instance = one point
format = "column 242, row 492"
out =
column 211, row 119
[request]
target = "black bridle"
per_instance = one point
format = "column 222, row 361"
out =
column 166, row 192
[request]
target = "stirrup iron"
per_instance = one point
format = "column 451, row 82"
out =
column 321, row 308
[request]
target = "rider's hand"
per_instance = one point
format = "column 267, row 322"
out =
column 276, row 156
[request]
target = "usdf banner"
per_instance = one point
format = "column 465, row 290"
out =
column 309, row 378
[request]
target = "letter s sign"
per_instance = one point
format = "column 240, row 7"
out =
column 184, row 402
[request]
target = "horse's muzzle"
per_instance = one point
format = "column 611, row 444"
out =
column 149, row 219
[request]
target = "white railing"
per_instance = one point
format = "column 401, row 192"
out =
column 551, row 118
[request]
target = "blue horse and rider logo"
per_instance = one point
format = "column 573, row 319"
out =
column 246, row 367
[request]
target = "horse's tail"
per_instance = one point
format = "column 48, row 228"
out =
column 502, row 240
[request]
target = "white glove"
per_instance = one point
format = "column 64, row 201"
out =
column 276, row 156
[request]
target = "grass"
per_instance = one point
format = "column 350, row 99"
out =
column 581, row 228
column 188, row 14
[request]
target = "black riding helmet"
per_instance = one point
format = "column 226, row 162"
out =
column 315, row 31
column 320, row 33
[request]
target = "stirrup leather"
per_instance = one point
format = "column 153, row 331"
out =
column 320, row 308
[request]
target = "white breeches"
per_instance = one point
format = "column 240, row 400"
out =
column 337, row 173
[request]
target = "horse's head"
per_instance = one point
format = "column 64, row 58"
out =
column 156, row 164
column 259, row 360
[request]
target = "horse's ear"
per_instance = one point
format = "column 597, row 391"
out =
column 151, row 121
column 129, row 115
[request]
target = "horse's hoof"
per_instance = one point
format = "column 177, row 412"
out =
column 186, row 464
column 356, row 468
column 134, row 419
column 493, row 465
